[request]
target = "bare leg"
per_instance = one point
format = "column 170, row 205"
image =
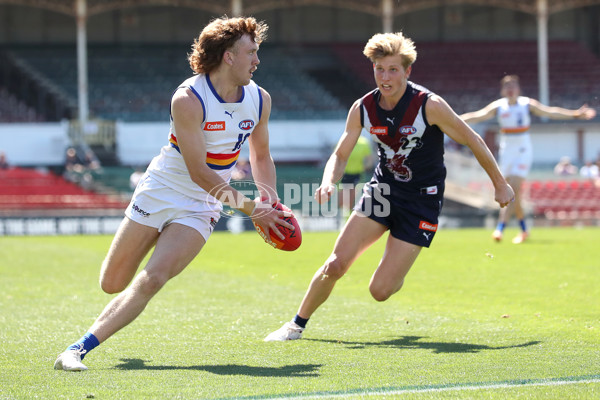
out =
column 397, row 259
column 358, row 234
column 516, row 182
column 176, row 247
column 131, row 244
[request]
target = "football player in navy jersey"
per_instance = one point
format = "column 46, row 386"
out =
column 405, row 194
column 177, row 202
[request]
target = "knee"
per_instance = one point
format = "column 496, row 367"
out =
column 111, row 285
column 149, row 283
column 335, row 268
column 382, row 292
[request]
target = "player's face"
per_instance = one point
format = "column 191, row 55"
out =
column 510, row 90
column 390, row 76
column 245, row 59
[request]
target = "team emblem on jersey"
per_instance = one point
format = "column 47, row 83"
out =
column 378, row 130
column 396, row 166
column 246, row 124
column 408, row 130
column 214, row 126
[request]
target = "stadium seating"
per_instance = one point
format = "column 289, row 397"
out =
column 564, row 202
column 14, row 110
column 29, row 189
column 134, row 83
column 467, row 74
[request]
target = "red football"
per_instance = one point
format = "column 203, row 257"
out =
column 293, row 238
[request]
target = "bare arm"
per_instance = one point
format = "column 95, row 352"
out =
column 187, row 118
column 541, row 110
column 334, row 169
column 486, row 113
column 263, row 167
column 439, row 113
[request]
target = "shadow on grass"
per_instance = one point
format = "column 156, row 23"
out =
column 298, row 370
column 415, row 342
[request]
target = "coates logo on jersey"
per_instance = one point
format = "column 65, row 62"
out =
column 246, row 124
column 427, row 226
column 379, row 130
column 214, row 126
column 407, row 130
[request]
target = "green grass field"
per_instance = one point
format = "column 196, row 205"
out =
column 475, row 319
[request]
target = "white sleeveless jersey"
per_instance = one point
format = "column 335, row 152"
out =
column 514, row 118
column 225, row 127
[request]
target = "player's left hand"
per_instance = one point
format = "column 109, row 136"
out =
column 504, row 195
column 585, row 112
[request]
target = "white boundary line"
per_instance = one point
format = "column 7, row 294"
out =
column 394, row 391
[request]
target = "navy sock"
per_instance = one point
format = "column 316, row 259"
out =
column 522, row 225
column 501, row 226
column 87, row 342
column 301, row 322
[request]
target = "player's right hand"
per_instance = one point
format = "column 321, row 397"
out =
column 324, row 192
column 268, row 217
column 504, row 195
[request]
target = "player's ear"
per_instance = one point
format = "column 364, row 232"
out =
column 228, row 57
column 408, row 71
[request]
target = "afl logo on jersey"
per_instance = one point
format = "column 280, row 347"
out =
column 214, row 126
column 408, row 130
column 246, row 124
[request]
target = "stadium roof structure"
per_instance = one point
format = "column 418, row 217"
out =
column 386, row 9
column 238, row 7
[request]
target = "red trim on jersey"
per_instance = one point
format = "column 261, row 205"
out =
column 371, row 107
column 413, row 108
column 416, row 102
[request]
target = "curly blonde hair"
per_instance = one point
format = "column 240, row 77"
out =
column 220, row 35
column 391, row 44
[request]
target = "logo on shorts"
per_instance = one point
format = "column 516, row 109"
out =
column 215, row 126
column 140, row 211
column 427, row 226
column 379, row 130
column 213, row 222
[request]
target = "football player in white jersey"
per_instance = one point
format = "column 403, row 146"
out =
column 178, row 200
column 513, row 112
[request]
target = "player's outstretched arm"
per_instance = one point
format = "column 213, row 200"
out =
column 334, row 169
column 584, row 112
column 486, row 113
column 441, row 114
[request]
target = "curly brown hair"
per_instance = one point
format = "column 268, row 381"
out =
column 220, row 35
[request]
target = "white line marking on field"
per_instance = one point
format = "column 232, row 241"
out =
column 393, row 391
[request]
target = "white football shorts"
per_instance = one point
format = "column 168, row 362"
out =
column 156, row 205
column 515, row 154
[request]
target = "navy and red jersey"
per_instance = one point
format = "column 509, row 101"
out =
column 411, row 152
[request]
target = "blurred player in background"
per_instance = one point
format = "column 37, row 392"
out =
column 178, row 200
column 513, row 112
column 404, row 196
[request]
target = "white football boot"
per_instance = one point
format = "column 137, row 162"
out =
column 70, row 360
column 289, row 331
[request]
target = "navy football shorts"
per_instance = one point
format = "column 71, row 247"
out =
column 413, row 221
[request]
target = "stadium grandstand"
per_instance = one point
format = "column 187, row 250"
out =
column 98, row 74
